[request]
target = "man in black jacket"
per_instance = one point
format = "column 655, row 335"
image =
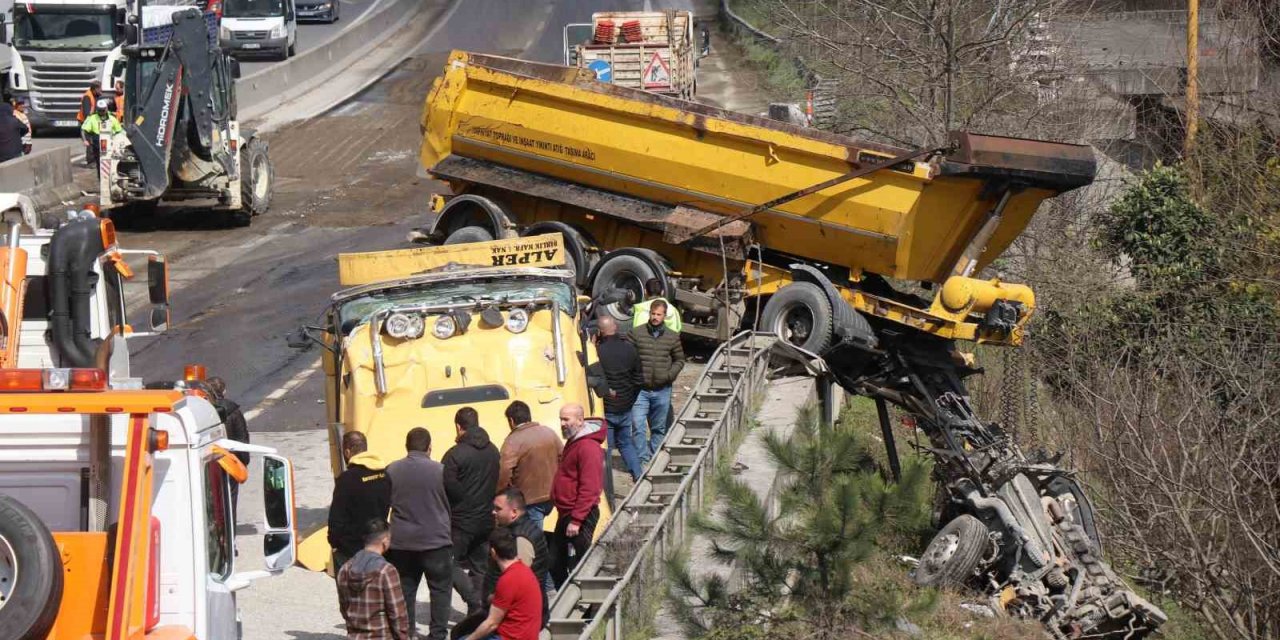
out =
column 11, row 132
column 360, row 494
column 470, row 480
column 620, row 365
column 661, row 359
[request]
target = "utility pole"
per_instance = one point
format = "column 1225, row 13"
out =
column 1193, row 81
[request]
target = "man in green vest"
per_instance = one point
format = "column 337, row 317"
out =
column 99, row 122
column 640, row 312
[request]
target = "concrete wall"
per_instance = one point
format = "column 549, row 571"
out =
column 43, row 175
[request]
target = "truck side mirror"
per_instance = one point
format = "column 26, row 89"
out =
column 131, row 35
column 235, row 69
column 279, row 546
column 4, row 31
column 158, row 279
column 160, row 318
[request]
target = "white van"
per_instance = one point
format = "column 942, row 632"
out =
column 260, row 27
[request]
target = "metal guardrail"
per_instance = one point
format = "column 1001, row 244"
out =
column 607, row 589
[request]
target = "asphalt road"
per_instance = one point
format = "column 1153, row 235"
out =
column 346, row 181
column 309, row 35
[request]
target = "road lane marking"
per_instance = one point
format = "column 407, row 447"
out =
column 272, row 398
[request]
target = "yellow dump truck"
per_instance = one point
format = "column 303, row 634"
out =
column 419, row 333
column 646, row 186
column 831, row 243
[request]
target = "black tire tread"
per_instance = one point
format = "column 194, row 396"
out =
column 972, row 544
column 813, row 297
column 472, row 233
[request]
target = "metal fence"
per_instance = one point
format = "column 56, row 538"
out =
column 616, row 581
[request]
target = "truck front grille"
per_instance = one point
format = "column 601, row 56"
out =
column 252, row 35
column 56, row 88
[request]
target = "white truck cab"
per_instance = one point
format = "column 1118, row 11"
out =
column 57, row 48
column 260, row 27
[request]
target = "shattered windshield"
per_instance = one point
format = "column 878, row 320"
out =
column 252, row 8
column 359, row 310
column 79, row 30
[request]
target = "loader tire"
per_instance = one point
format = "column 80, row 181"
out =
column 469, row 234
column 31, row 575
column 800, row 314
column 953, row 555
column 257, row 181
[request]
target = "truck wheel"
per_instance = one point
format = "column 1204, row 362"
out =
column 622, row 271
column 953, row 554
column 257, row 179
column 30, row 573
column 800, row 314
column 469, row 234
column 577, row 258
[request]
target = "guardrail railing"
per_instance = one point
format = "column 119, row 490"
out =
column 608, row 589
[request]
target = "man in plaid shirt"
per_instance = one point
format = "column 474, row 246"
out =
column 369, row 590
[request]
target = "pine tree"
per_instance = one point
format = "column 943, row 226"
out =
column 835, row 509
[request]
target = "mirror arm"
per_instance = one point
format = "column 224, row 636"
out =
column 240, row 580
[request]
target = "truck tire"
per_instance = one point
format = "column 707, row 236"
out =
column 953, row 554
column 469, row 234
column 257, row 181
column 623, row 271
column 800, row 314
column 31, row 573
column 576, row 244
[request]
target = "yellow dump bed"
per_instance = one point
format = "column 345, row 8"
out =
column 668, row 164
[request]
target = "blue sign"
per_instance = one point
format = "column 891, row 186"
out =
column 604, row 71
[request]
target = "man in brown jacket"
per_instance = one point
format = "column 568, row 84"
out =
column 661, row 359
column 529, row 459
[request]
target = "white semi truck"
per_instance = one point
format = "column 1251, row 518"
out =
column 57, row 48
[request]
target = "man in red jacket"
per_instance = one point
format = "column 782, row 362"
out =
column 575, row 491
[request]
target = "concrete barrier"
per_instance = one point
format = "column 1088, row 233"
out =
column 45, row 176
column 271, row 88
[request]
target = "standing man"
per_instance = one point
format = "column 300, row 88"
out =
column 661, row 359
column 89, row 100
column 528, row 461
column 653, row 293
column 362, row 493
column 420, row 542
column 11, row 133
column 99, row 123
column 470, row 480
column 20, row 112
column 516, row 611
column 620, row 365
column 369, row 590
column 576, row 491
column 706, row 40
column 118, row 99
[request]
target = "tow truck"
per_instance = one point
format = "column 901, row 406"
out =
column 182, row 140
column 420, row 333
column 116, row 516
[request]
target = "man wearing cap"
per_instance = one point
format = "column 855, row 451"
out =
column 99, row 122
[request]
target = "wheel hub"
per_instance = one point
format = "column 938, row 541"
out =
column 622, row 311
column 8, row 571
column 795, row 324
column 940, row 552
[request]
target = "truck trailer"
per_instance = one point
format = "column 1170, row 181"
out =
column 868, row 257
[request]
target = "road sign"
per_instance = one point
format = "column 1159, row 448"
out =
column 603, row 70
column 657, row 75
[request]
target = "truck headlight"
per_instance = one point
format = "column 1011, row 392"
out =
column 224, row 33
column 405, row 326
column 279, row 31
column 445, row 327
column 517, row 320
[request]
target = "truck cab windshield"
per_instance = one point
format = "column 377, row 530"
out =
column 70, row 30
column 252, row 8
